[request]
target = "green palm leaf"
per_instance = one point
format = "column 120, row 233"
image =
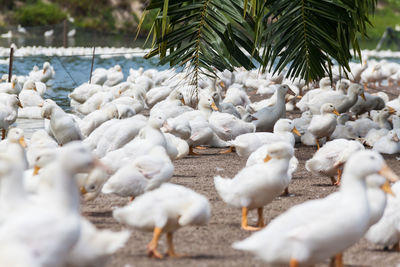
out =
column 301, row 37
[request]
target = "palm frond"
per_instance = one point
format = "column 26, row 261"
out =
column 304, row 36
column 204, row 34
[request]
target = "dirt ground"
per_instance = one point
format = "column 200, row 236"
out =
column 211, row 245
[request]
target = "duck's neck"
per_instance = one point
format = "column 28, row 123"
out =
column 353, row 186
column 65, row 190
column 12, row 189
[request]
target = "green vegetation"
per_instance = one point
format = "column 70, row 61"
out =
column 39, row 13
column 303, row 37
column 386, row 16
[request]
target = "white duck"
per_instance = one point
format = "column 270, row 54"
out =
column 8, row 113
column 165, row 210
column 94, row 119
column 29, row 96
column 386, row 232
column 323, row 125
column 144, row 173
column 258, row 184
column 228, row 127
column 117, row 134
column 55, row 214
column 319, row 229
column 245, row 144
column 94, row 245
column 388, row 144
column 341, row 102
column 10, row 87
column 330, row 159
column 64, row 128
column 114, row 76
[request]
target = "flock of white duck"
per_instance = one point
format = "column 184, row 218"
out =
column 106, row 146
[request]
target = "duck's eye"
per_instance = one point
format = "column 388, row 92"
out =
column 372, row 157
column 92, row 187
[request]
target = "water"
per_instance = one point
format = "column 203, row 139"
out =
column 73, row 71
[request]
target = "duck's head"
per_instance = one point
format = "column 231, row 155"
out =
column 342, row 85
column 75, row 157
column 14, row 102
column 285, row 125
column 279, row 150
column 93, row 184
column 118, row 68
column 206, row 102
column 393, row 136
column 357, row 89
column 284, row 89
column 386, row 112
column 111, row 110
column 14, row 81
column 329, row 108
column 46, row 66
column 177, row 95
column 307, row 114
column 29, row 85
column 368, row 162
column 16, row 135
column 44, row 157
column 156, row 121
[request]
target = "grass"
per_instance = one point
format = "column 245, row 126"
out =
column 386, row 15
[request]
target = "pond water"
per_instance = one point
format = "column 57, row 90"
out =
column 72, row 71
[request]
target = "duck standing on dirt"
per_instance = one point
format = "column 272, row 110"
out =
column 319, row 229
column 266, row 117
column 257, row 185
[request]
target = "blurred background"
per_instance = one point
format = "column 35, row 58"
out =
column 114, row 22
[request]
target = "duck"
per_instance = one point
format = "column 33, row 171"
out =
column 330, row 159
column 378, row 188
column 29, row 96
column 43, row 75
column 11, row 87
column 83, row 92
column 117, row 134
column 94, row 102
column 64, row 127
column 302, row 123
column 165, row 210
column 8, row 113
column 385, row 232
column 94, row 119
column 94, row 245
column 228, row 127
column 324, row 86
column 257, row 185
column 341, row 102
column 245, row 144
column 144, row 173
column 374, row 135
column 157, row 94
column 382, row 118
column 259, row 155
column 362, row 126
column 236, row 95
column 55, row 213
column 114, row 76
column 371, row 102
column 268, row 116
column 291, row 238
column 323, row 125
column 388, row 144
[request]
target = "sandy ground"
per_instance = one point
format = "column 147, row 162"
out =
column 211, row 245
